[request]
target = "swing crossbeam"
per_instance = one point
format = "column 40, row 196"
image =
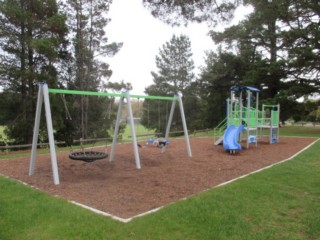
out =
column 104, row 94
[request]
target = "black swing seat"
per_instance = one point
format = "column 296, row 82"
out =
column 88, row 156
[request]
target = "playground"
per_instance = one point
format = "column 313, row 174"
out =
column 126, row 182
column 120, row 189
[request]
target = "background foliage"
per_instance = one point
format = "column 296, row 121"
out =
column 275, row 48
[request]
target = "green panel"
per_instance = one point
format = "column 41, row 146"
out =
column 252, row 122
column 275, row 118
column 77, row 92
column 236, row 122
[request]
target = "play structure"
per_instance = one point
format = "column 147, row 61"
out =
column 245, row 122
column 89, row 156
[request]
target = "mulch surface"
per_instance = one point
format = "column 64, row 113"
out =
column 120, row 189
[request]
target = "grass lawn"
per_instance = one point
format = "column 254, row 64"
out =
column 139, row 129
column 282, row 202
column 300, row 131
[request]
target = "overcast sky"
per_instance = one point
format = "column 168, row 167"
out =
column 142, row 36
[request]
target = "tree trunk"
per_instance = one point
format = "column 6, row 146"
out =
column 274, row 78
column 30, row 113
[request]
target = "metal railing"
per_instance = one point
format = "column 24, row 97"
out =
column 219, row 129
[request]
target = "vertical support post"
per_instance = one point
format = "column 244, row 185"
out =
column 36, row 130
column 166, row 136
column 241, row 109
column 271, row 127
column 116, row 129
column 227, row 110
column 231, row 108
column 248, row 116
column 133, row 132
column 43, row 95
column 173, row 106
column 262, row 122
column 240, row 114
column 257, row 118
column 117, row 126
column 184, row 124
column 278, row 122
column 53, row 154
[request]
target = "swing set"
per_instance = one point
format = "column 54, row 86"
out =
column 43, row 97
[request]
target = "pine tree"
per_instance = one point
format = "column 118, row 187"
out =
column 175, row 66
column 284, row 34
column 32, row 36
column 87, row 19
column 177, row 12
column 175, row 74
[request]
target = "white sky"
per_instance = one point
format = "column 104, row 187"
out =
column 142, row 36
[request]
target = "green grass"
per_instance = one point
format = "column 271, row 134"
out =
column 29, row 214
column 300, row 131
column 282, row 202
column 139, row 129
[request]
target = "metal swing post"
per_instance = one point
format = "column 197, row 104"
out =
column 184, row 124
column 43, row 95
column 36, row 131
column 173, row 106
column 116, row 129
column 166, row 136
column 133, row 133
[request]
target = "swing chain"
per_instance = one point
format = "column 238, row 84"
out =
column 68, row 115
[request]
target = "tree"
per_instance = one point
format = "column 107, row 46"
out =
column 301, row 39
column 280, row 41
column 175, row 74
column 175, row 12
column 32, row 36
column 222, row 70
column 280, row 32
column 87, row 19
column 314, row 115
column 175, row 66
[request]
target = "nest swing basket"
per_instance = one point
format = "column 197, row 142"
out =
column 88, row 156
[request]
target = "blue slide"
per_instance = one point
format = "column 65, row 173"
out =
column 231, row 136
